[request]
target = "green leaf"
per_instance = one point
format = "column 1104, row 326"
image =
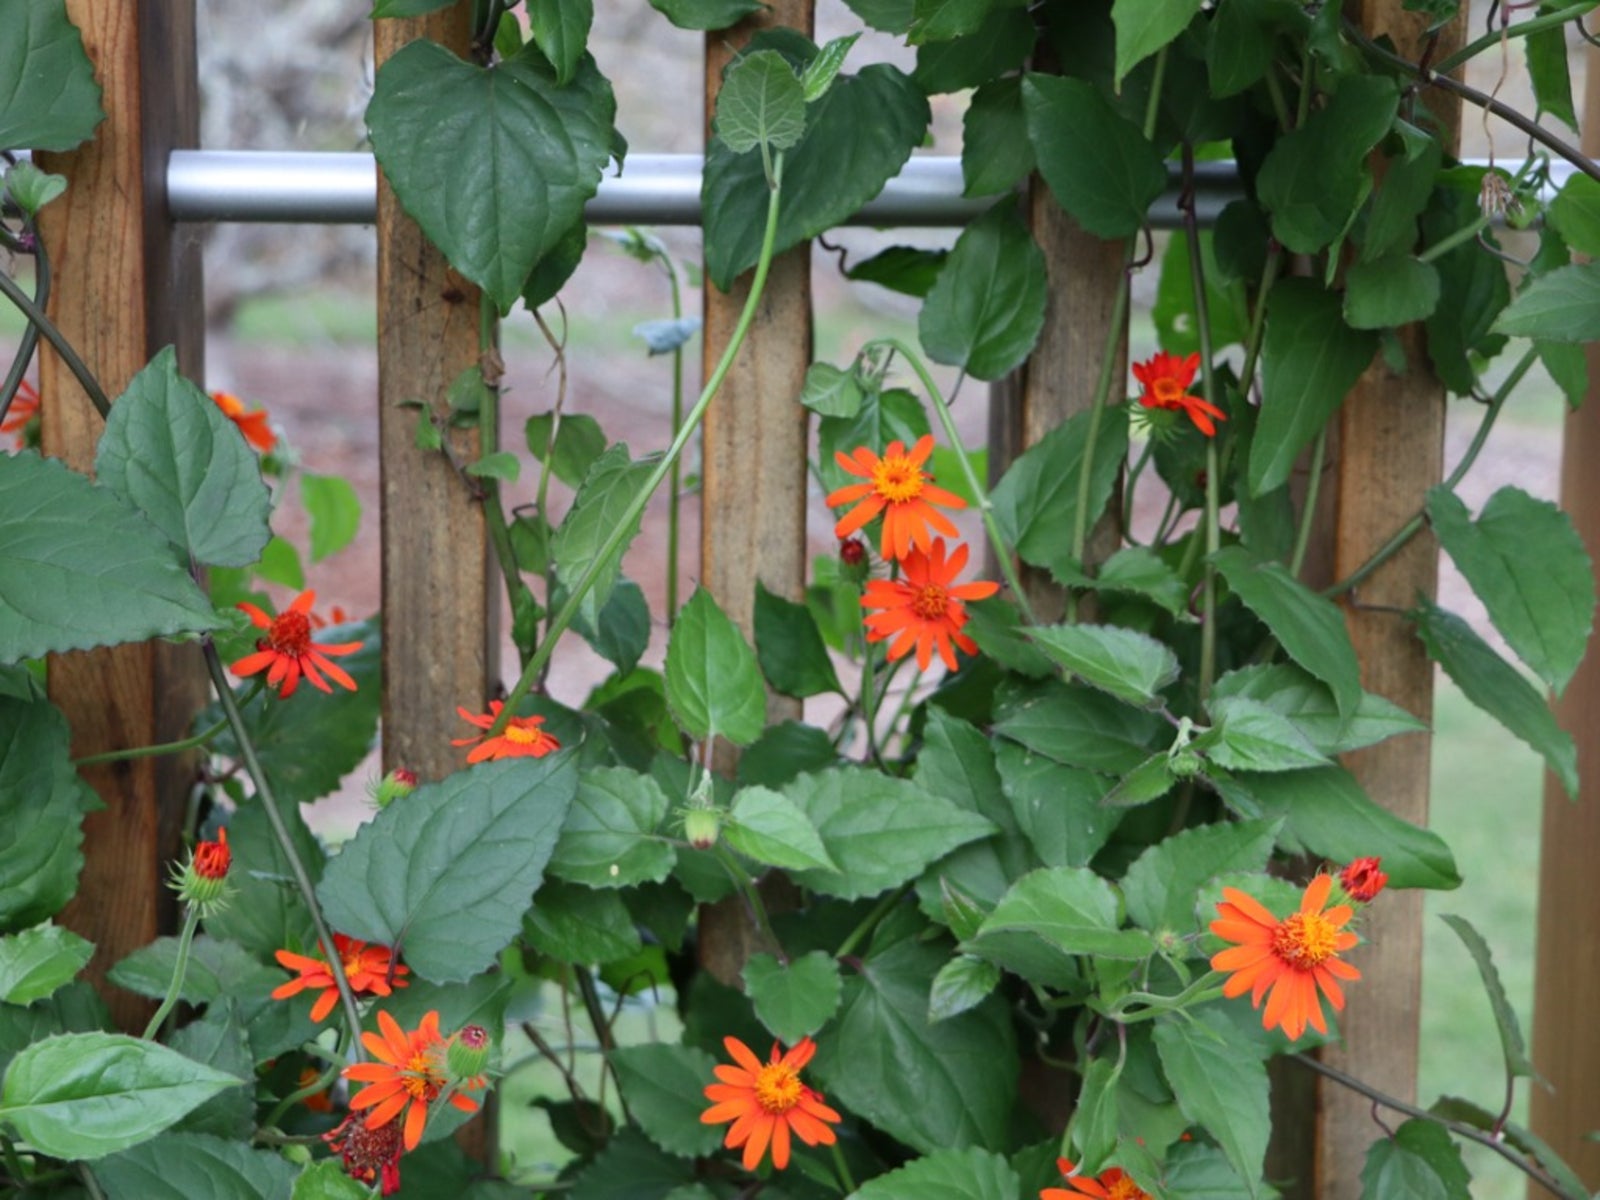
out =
column 1310, row 359
column 1221, row 1085
column 831, row 392
column 42, row 802
column 74, row 1008
column 220, row 1040
column 1392, row 1169
column 880, row 831
column 761, row 103
column 335, row 512
column 824, row 68
column 580, row 925
column 32, row 188
column 326, row 1180
column 961, row 984
column 933, row 1086
column 629, row 1167
column 794, row 999
column 1474, row 288
column 1505, row 1017
column 998, row 46
column 1495, row 686
column 706, row 14
column 609, row 839
column 713, row 682
column 216, row 969
column 790, row 648
column 624, row 631
column 984, row 312
column 1575, row 213
column 1060, row 810
column 446, row 876
column 1568, row 368
column 613, row 482
column 560, row 28
column 1163, row 884
column 909, row 270
column 502, row 465
column 663, row 1086
column 1309, row 705
column 1453, row 1108
column 1145, row 26
column 1403, row 194
column 769, row 827
column 1314, row 177
column 525, row 153
column 858, row 136
column 37, row 961
column 1095, row 1119
column 49, row 99
column 1562, row 305
column 1150, row 780
column 86, row 1095
column 1070, row 909
column 310, row 743
column 889, row 16
column 280, row 564
column 1310, row 629
column 1250, row 736
column 946, row 1175
column 1130, row 665
column 1173, row 311
column 382, row 9
column 1194, row 1169
column 1099, row 165
column 78, row 568
column 783, row 751
column 557, row 265
column 1036, row 500
column 1529, row 567
column 1550, row 75
column 1080, row 727
column 941, row 20
column 179, row 1166
column 1390, row 291
column 579, row 441
column 1241, row 43
column 995, row 150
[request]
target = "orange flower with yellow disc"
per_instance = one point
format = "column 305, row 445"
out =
column 521, row 738
column 767, row 1103
column 251, row 422
column 1166, row 379
column 1111, row 1184
column 898, row 487
column 287, row 651
column 369, row 969
column 923, row 608
column 1292, row 959
column 409, row 1074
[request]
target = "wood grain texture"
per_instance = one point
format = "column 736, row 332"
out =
column 123, row 287
column 1391, row 451
column 439, row 648
column 1566, row 1040
column 753, row 489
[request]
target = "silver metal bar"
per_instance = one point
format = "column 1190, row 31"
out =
column 312, row 188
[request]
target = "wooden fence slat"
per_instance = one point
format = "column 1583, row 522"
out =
column 1566, row 1041
column 123, row 287
column 753, row 479
column 1391, row 452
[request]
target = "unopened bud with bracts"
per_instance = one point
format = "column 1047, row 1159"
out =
column 701, row 826
column 203, row 880
column 1362, row 880
column 396, row 785
column 468, row 1055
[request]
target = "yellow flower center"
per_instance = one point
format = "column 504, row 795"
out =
column 778, row 1089
column 897, row 479
column 522, row 735
column 290, row 633
column 1119, row 1187
column 1167, row 393
column 1305, row 939
column 930, row 602
column 421, row 1076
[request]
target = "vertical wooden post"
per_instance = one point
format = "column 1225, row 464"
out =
column 1391, row 452
column 123, row 288
column 753, row 491
column 439, row 648
column 1566, row 1042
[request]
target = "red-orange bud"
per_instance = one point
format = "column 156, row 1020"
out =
column 1362, row 880
column 212, row 859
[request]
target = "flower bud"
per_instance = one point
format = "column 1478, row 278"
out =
column 855, row 564
column 1362, row 880
column 700, row 826
column 468, row 1054
column 396, row 785
column 203, row 880
column 1184, row 764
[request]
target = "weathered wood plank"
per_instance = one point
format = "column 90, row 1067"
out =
column 124, row 287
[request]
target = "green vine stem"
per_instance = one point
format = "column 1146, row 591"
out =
column 675, row 476
column 487, row 486
column 1498, row 37
column 188, row 743
column 269, row 802
column 30, row 335
column 191, row 922
column 57, row 339
column 1410, row 529
column 613, row 543
column 558, row 347
column 1524, row 1164
column 1308, row 509
column 1002, row 552
column 1467, row 233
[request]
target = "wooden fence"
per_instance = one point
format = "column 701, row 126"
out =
column 122, row 290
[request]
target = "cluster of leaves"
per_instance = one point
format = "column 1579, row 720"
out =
column 1009, row 875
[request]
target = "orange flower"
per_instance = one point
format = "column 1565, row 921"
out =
column 1112, row 1184
column 1362, row 880
column 24, row 407
column 766, row 1101
column 898, row 487
column 1166, row 379
column 368, row 968
column 922, row 609
column 521, row 738
column 212, row 859
column 317, row 1101
column 408, row 1076
column 289, row 650
column 251, row 423
column 1291, row 958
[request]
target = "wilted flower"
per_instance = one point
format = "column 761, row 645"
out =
column 371, row 1156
